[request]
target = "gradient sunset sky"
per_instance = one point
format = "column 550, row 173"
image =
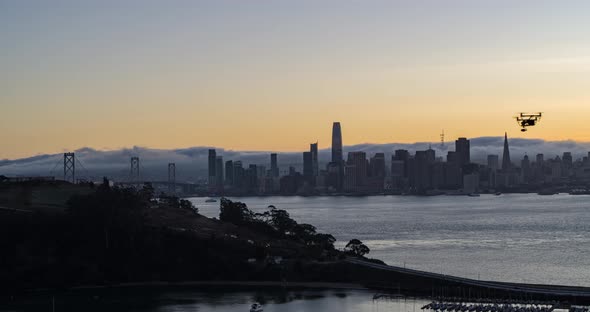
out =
column 274, row 75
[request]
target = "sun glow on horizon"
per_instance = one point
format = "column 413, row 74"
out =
column 255, row 77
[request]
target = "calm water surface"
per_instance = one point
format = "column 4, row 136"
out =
column 181, row 301
column 513, row 237
column 303, row 301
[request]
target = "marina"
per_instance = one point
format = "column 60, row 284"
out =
column 502, row 306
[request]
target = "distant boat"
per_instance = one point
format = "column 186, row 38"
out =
column 211, row 200
column 256, row 307
column 473, row 195
column 498, row 193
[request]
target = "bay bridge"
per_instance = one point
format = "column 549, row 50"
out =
column 72, row 166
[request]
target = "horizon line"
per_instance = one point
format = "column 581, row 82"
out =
column 435, row 145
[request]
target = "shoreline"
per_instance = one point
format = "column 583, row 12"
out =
column 186, row 196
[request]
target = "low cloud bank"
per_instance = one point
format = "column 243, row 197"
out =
column 191, row 163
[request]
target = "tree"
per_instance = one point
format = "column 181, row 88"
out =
column 356, row 248
column 187, row 204
column 147, row 192
column 281, row 221
column 234, row 212
column 326, row 241
column 304, row 231
column 276, row 223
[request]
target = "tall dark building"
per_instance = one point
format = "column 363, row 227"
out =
column 567, row 158
column 337, row 143
column 229, row 173
column 239, row 175
column 430, row 155
column 506, row 163
column 377, row 165
column 356, row 172
column 377, row 173
column 401, row 154
column 567, row 163
column 462, row 150
column 212, row 166
column 274, row 165
column 308, row 167
column 337, row 157
column 452, row 157
column 313, row 148
column 452, row 171
column 421, row 171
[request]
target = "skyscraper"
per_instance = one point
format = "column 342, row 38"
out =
column 506, row 164
column 308, row 167
column 356, row 171
column 401, row 154
column 430, row 155
column 337, row 154
column 421, row 171
column 229, row 173
column 377, row 173
column 336, row 143
column 462, row 150
column 239, row 175
column 452, row 171
column 274, row 165
column 377, row 165
column 212, row 166
column 313, row 148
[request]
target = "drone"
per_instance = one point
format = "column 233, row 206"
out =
column 525, row 120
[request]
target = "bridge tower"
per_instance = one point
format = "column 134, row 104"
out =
column 134, row 173
column 70, row 167
column 172, row 178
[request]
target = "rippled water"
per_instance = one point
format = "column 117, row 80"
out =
column 515, row 237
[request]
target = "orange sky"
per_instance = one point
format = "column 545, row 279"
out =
column 257, row 78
